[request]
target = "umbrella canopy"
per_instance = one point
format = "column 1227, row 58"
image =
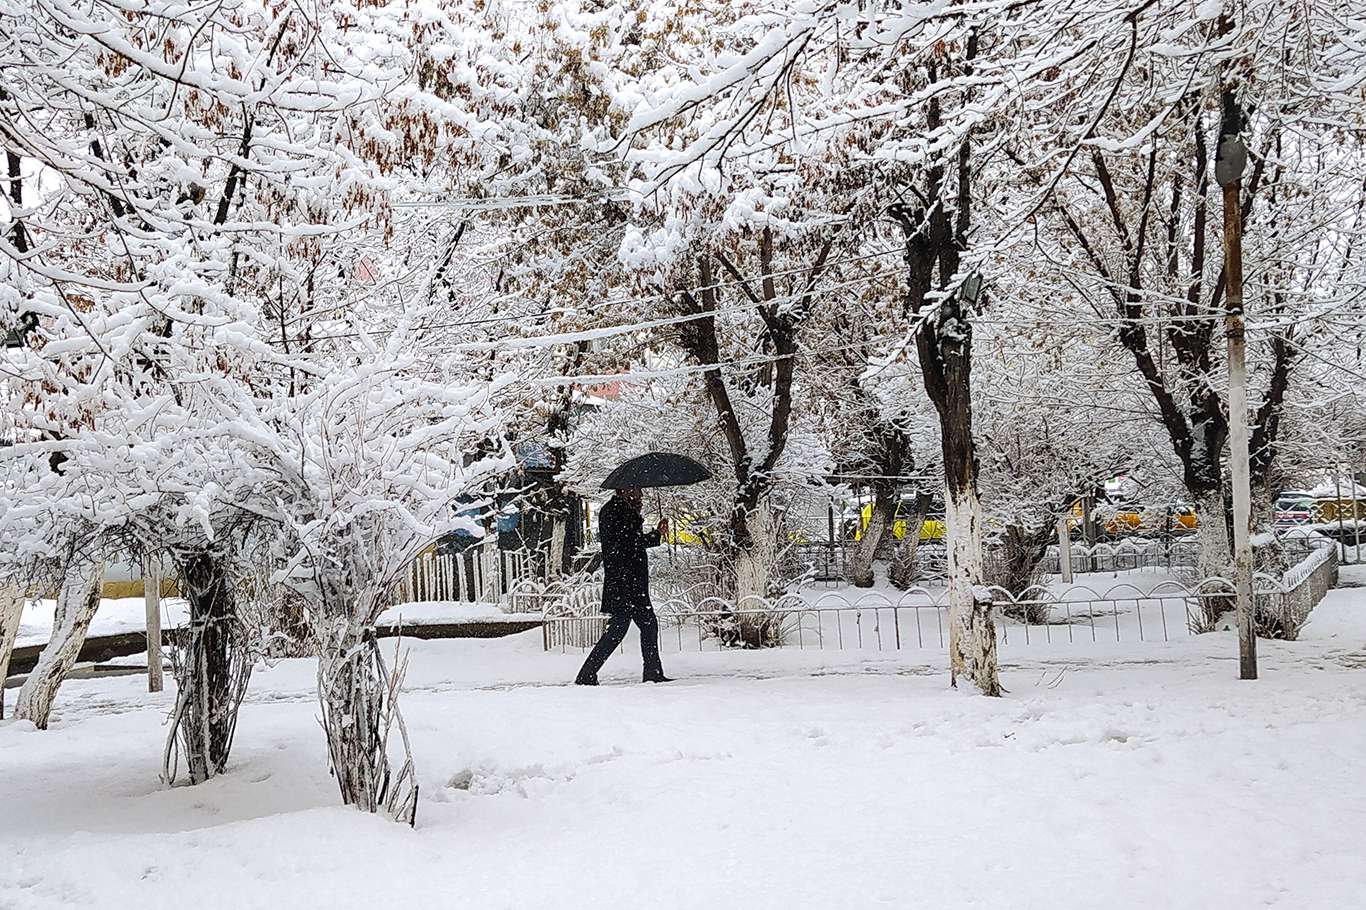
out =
column 656, row 469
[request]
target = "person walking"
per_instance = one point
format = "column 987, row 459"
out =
column 626, row 586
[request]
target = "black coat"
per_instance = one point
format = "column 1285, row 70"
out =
column 625, row 564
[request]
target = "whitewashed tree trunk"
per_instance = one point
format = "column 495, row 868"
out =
column 555, row 559
column 972, row 631
column 750, row 576
column 1215, row 557
column 936, row 236
column 754, row 564
column 11, row 613
column 77, row 602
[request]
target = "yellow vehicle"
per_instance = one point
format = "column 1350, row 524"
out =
column 933, row 527
column 1127, row 519
column 681, row 531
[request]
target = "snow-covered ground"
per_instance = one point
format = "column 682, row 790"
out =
column 128, row 614
column 1133, row 776
column 115, row 615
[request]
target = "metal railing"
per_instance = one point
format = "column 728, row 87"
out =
column 821, row 562
column 918, row 619
column 1175, row 554
column 1127, row 555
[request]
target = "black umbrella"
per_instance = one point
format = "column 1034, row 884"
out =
column 656, row 469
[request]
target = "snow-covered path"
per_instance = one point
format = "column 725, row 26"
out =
column 1142, row 777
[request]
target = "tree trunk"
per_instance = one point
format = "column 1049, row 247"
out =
column 1216, row 553
column 751, row 537
column 972, row 631
column 77, row 602
column 11, row 614
column 212, row 667
column 358, row 698
column 358, row 705
column 936, row 237
column 880, row 520
column 1215, row 559
column 559, row 524
column 904, row 569
column 753, row 557
column 944, row 348
column 1024, row 549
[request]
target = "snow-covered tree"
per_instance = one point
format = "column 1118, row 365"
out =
column 864, row 387
column 187, row 259
column 365, row 469
column 1139, row 231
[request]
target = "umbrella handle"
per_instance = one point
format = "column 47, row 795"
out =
column 659, row 504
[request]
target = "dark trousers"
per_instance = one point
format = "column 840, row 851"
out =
column 615, row 633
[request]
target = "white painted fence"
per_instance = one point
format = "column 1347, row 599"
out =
column 480, row 574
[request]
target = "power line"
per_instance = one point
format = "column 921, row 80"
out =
column 539, row 341
column 501, row 203
column 648, row 298
column 687, row 369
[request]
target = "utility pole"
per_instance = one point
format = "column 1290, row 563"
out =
column 1230, row 161
column 1356, row 519
column 1065, row 549
column 151, row 597
column 1342, row 528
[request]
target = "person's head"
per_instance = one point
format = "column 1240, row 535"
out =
column 633, row 496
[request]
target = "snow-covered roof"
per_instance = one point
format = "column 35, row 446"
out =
column 1329, row 486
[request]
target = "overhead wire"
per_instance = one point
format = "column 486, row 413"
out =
column 695, row 290
column 1061, row 319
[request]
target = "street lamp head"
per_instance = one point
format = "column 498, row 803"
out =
column 972, row 288
column 1230, row 161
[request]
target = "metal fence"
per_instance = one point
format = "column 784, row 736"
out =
column 820, row 562
column 918, row 618
column 1175, row 554
column 1127, row 555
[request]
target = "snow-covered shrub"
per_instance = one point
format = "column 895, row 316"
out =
column 752, row 628
column 212, row 660
column 363, row 470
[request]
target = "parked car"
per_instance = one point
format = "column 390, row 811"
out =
column 1292, row 510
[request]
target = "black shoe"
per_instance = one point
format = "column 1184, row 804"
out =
column 660, row 678
column 584, row 681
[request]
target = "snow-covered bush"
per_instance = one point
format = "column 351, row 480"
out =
column 363, row 470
